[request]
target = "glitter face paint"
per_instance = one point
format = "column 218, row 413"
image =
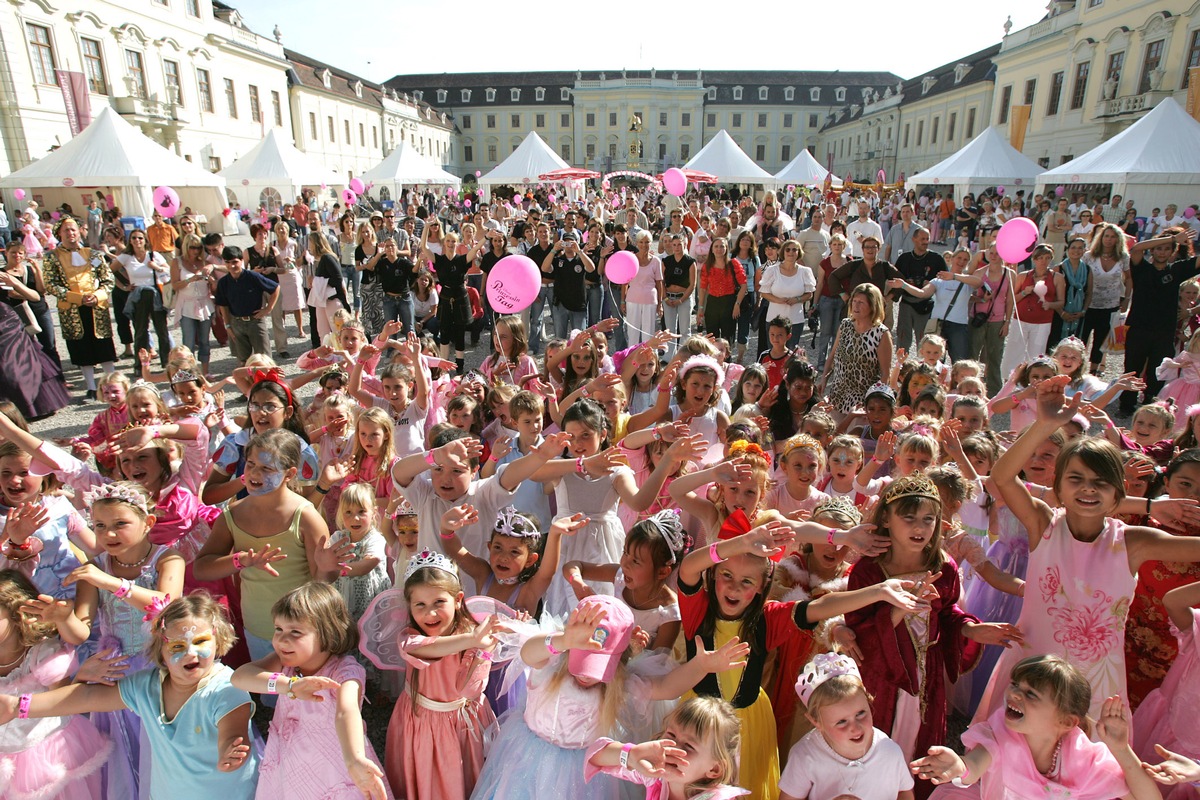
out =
column 269, row 474
column 202, row 646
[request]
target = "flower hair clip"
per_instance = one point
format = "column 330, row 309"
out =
column 155, row 607
column 510, row 522
column 119, row 492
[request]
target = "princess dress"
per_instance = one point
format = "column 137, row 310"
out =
column 656, row 788
column 53, row 758
column 122, row 628
column 1168, row 714
column 650, row 664
column 1009, row 553
column 1076, row 601
column 303, row 758
column 359, row 591
column 601, row 541
column 1184, row 390
column 1086, row 770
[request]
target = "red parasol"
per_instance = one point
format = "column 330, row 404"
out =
column 695, row 176
column 569, row 174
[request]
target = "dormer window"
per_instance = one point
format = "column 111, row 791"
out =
column 418, row 95
column 514, row 95
column 927, row 83
column 712, row 93
column 565, row 95
column 960, row 72
column 789, row 93
column 490, row 94
column 866, row 94
column 466, row 95
column 539, row 94
column 839, row 94
column 737, row 93
column 441, row 95
column 814, row 94
column 762, row 93
column 358, row 89
column 326, row 79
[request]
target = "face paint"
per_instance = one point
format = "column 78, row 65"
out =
column 202, row 646
column 268, row 474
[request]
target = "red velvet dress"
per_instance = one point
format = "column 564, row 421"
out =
column 891, row 663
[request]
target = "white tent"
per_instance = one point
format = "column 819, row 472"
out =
column 273, row 172
column 404, row 165
column 532, row 157
column 723, row 158
column 987, row 161
column 114, row 157
column 804, row 170
column 1155, row 161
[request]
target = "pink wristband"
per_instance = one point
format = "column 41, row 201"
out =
column 429, row 459
column 554, row 651
column 122, row 591
column 237, row 561
column 579, row 468
column 713, row 554
column 23, row 706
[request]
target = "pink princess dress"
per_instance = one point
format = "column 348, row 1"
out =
column 656, row 788
column 303, row 758
column 1086, row 770
column 1077, row 598
column 53, row 758
column 1168, row 714
column 1184, row 388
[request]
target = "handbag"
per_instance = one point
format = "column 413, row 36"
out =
column 980, row 318
column 318, row 294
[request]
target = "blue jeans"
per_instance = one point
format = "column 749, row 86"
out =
column 595, row 303
column 958, row 340
column 746, row 317
column 829, row 309
column 401, row 309
column 536, row 311
column 353, row 278
column 612, row 308
column 566, row 320
column 195, row 336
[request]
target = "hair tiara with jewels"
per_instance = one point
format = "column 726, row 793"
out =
column 185, row 376
column 822, row 668
column 669, row 526
column 915, row 485
column 116, row 491
column 510, row 522
column 839, row 506
column 143, row 384
column 798, row 442
column 426, row 558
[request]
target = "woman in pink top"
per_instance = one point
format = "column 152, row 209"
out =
column 987, row 340
column 642, row 297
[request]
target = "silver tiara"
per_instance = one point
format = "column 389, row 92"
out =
column 510, row 522
column 116, row 491
column 142, row 384
column 671, row 528
column 432, row 560
column 184, row 376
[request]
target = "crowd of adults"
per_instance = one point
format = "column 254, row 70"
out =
column 854, row 269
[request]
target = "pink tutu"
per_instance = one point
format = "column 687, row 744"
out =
column 63, row 766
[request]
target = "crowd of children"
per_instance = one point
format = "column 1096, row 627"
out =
column 603, row 575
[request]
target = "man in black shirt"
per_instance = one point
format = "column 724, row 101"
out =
column 918, row 267
column 538, row 253
column 1151, row 334
column 567, row 264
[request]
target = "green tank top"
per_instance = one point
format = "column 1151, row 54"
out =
column 260, row 589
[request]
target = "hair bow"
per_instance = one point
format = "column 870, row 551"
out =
column 273, row 375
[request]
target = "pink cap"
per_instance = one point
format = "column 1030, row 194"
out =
column 614, row 632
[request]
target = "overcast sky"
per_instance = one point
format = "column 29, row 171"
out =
column 377, row 39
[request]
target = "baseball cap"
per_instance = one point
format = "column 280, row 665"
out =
column 614, row 632
column 570, row 236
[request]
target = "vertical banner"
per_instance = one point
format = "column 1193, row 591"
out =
column 1020, row 121
column 1193, row 95
column 75, row 99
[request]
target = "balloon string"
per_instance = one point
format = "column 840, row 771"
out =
column 624, row 319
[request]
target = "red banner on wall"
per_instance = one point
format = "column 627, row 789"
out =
column 75, row 99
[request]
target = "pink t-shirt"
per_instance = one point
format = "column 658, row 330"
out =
column 642, row 287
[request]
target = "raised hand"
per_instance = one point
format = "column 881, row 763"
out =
column 458, row 453
column 458, row 517
column 25, row 520
column 658, row 759
column 604, row 462
column 90, row 573
column 336, row 471
column 863, row 540
column 1175, row 511
column 484, row 635
column 1174, row 769
column 502, row 447
column 767, row 540
column 733, row 471
column 580, row 633
column 263, row 559
column 1052, row 404
column 1113, row 726
column 334, row 555
column 886, row 446
column 847, row 642
column 47, row 609
column 552, row 445
column 566, row 526
column 234, row 756
column 900, row 594
column 998, row 633
column 106, row 667
column 687, row 449
column 729, row 655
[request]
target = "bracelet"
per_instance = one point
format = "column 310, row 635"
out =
column 584, row 393
column 344, row 571
column 875, row 460
column 1147, row 506
column 554, row 651
column 829, row 539
column 959, row 780
column 625, row 748
column 156, row 431
column 486, row 655
column 449, row 535
column 713, row 554
column 237, row 561
column 429, row 459
column 320, row 490
column 493, row 457
column 273, row 682
column 579, row 468
column 658, row 437
column 23, row 706
column 122, row 591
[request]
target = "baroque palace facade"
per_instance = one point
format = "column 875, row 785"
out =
column 190, row 74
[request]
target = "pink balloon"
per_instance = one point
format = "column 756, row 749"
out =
column 616, row 203
column 1000, row 190
column 467, row 202
column 349, row 197
column 1060, row 190
column 621, row 267
column 1016, row 240
column 551, row 198
column 478, row 174
column 675, row 181
column 1189, row 212
column 166, row 201
column 19, row 194
column 356, row 186
column 513, row 284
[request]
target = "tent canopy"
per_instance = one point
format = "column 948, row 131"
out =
column 723, row 158
column 804, row 170
column 532, row 158
column 1157, row 158
column 988, row 160
column 275, row 164
column 404, row 165
column 115, row 157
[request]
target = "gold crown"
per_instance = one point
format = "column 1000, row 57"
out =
column 800, row 440
column 915, row 485
column 839, row 506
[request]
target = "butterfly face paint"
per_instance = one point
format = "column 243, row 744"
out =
column 193, row 644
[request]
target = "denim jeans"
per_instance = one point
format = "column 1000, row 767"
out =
column 146, row 309
column 595, row 303
column 195, row 336
column 566, row 320
column 746, row 318
column 353, row 280
column 536, row 312
column 612, row 308
column 399, row 308
column 678, row 319
column 958, row 339
column 829, row 310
